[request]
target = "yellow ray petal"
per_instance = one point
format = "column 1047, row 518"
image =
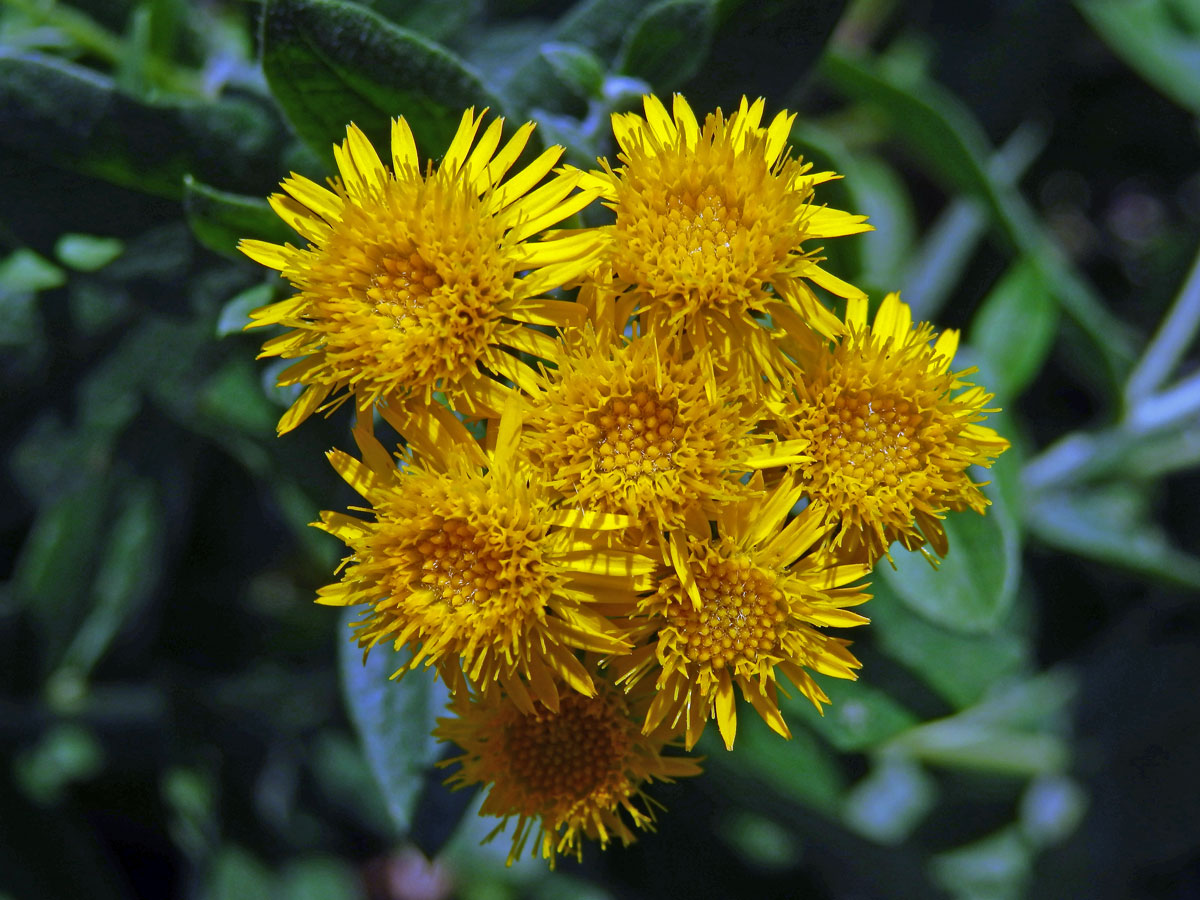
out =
column 404, row 148
column 456, row 153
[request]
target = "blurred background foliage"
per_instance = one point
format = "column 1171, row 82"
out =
column 177, row 719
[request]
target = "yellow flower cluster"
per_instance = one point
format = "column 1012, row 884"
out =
column 644, row 466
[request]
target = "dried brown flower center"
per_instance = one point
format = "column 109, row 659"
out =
column 568, row 755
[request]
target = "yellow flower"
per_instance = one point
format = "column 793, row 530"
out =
column 467, row 564
column 738, row 609
column 567, row 775
column 410, row 281
column 892, row 430
column 622, row 426
column 710, row 223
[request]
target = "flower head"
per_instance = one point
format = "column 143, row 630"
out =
column 575, row 773
column 471, row 569
column 711, row 221
column 892, row 430
column 410, row 281
column 626, row 427
column 738, row 609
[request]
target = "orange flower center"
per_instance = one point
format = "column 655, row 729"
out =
column 401, row 287
column 872, row 438
column 637, row 436
column 570, row 755
column 462, row 565
column 740, row 616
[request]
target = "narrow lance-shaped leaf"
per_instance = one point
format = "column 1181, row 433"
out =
column 1014, row 329
column 395, row 720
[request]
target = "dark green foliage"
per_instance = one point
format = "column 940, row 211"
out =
column 1024, row 722
column 331, row 63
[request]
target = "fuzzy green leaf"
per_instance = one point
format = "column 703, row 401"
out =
column 220, row 219
column 668, row 43
column 1014, row 330
column 395, row 720
column 57, row 112
column 576, row 67
column 330, row 63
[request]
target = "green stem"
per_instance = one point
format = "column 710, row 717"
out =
column 1169, row 344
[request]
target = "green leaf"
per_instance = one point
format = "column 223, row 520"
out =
column 576, row 67
column 890, row 802
column 997, row 867
column 1146, row 34
column 599, row 25
column 395, row 720
column 57, row 112
column 23, row 270
column 67, row 753
column 1014, row 330
column 98, row 304
column 765, row 48
column 668, row 42
column 320, row 878
column 802, row 769
column 595, row 25
column 220, row 219
column 973, row 588
column 330, row 63
column 54, row 568
column 235, row 315
column 436, row 19
column 859, row 717
column 1111, row 524
column 1015, row 730
column 236, row 875
column 955, row 149
column 22, row 274
column 234, row 398
column 128, row 571
column 87, row 252
column 873, row 189
column 960, row 667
